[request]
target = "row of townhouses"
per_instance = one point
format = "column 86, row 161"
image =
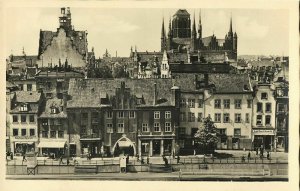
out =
column 148, row 116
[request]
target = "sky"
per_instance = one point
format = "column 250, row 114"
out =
column 260, row 31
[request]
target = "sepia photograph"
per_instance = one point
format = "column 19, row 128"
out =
column 161, row 93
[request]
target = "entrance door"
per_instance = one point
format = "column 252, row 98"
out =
column 268, row 142
column 156, row 147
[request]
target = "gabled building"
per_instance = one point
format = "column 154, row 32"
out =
column 25, row 109
column 53, row 129
column 65, row 43
column 134, row 116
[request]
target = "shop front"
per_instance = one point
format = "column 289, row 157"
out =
column 263, row 138
column 156, row 146
column 90, row 146
column 21, row 148
column 53, row 149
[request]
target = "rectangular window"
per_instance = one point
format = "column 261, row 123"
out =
column 268, row 107
column 200, row 117
column 237, row 132
column 24, row 107
column 120, row 127
column 15, row 132
column 168, row 114
column 95, row 130
column 31, row 118
column 191, row 117
column 222, row 131
column 182, row 103
column 23, row 132
column 194, row 131
column 31, row 132
column 44, row 122
column 131, row 114
column 94, row 115
column 191, row 103
column 45, row 134
column 258, row 120
column 83, row 130
column 121, row 114
column 156, row 115
column 217, row 103
column 226, row 118
column 23, row 118
column 249, row 103
column 281, row 108
column 259, row 107
column 60, row 134
column 20, row 87
column 168, row 127
column 181, row 131
column 237, row 103
column 247, row 118
column 145, row 127
column 109, row 114
column 264, row 96
column 156, row 127
column 84, row 115
column 15, row 119
column 109, row 128
column 59, row 85
column 226, row 103
column 29, row 87
column 52, row 134
column 200, row 103
column 268, row 119
column 182, row 117
column 237, row 118
column 217, row 118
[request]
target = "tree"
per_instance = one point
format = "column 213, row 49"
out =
column 119, row 71
column 102, row 72
column 206, row 137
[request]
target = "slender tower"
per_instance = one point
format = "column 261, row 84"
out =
column 200, row 32
column 194, row 36
column 170, row 36
column 163, row 37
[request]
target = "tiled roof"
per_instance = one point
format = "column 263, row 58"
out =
column 224, row 83
column 32, row 108
column 199, row 68
column 47, row 110
column 27, row 96
column 60, row 74
column 86, row 92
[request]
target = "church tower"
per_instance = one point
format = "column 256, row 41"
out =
column 163, row 37
column 181, row 24
column 194, row 36
column 170, row 36
column 65, row 19
column 200, row 32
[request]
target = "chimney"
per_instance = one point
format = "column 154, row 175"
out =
column 155, row 94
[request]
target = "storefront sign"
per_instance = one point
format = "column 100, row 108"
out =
column 263, row 132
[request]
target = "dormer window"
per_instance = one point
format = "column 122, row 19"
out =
column 54, row 110
column 24, row 107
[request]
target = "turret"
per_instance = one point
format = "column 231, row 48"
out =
column 65, row 19
column 235, row 38
column 200, row 27
column 170, row 36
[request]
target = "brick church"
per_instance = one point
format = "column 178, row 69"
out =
column 183, row 37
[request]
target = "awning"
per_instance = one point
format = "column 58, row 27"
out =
column 124, row 143
column 25, row 143
column 51, row 144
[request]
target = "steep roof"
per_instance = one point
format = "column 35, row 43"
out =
column 47, row 110
column 223, row 83
column 86, row 92
column 28, row 96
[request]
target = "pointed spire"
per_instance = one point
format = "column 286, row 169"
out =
column 194, row 27
column 230, row 29
column 163, row 32
column 170, row 28
column 200, row 26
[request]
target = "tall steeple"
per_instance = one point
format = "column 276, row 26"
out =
column 163, row 37
column 230, row 28
column 194, row 35
column 200, row 26
column 170, row 28
column 194, row 27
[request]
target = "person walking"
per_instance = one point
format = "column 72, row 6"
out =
column 268, row 155
column 24, row 158
column 256, row 151
column 249, row 156
column 178, row 159
column 11, row 156
column 61, row 160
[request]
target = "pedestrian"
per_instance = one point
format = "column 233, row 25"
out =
column 127, row 159
column 137, row 157
column 11, row 156
column 173, row 155
column 7, row 154
column 268, row 155
column 61, row 160
column 142, row 160
column 24, row 158
column 68, row 162
column 243, row 158
column 256, row 151
column 178, row 159
column 147, row 159
column 249, row 155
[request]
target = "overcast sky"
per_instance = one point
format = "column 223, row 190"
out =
column 259, row 31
